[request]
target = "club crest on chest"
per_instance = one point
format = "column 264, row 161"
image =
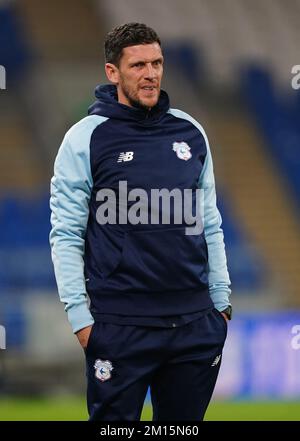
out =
column 182, row 150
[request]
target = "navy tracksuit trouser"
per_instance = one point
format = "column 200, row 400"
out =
column 180, row 365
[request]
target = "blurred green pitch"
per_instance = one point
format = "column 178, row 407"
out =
column 74, row 408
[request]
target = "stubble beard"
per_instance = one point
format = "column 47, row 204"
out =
column 133, row 99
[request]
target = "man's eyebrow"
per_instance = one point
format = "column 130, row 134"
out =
column 158, row 59
column 145, row 61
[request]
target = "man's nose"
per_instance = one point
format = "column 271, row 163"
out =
column 150, row 72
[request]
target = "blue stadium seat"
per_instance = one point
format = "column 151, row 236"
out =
column 15, row 54
column 278, row 118
column 246, row 267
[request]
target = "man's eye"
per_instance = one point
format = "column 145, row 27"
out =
column 139, row 64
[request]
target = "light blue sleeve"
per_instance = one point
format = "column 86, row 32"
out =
column 70, row 191
column 218, row 276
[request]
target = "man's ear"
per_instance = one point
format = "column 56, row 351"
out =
column 112, row 73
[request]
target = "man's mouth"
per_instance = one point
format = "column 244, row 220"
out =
column 149, row 88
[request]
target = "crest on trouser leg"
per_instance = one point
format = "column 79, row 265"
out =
column 103, row 369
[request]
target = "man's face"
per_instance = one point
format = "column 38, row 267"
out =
column 138, row 77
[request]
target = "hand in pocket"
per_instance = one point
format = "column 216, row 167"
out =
column 83, row 336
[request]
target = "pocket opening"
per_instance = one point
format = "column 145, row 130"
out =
column 163, row 260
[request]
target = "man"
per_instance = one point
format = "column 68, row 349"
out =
column 156, row 291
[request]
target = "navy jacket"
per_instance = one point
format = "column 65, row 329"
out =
column 141, row 269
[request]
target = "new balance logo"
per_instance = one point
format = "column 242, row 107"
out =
column 125, row 156
column 216, row 360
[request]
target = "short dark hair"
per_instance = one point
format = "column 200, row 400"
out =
column 128, row 34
